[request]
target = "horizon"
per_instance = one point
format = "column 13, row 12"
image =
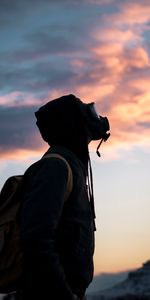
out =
column 99, row 51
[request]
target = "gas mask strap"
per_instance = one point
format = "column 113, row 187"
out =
column 91, row 193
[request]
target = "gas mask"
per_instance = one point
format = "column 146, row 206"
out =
column 96, row 125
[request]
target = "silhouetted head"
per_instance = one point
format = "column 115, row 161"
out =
column 69, row 122
column 61, row 122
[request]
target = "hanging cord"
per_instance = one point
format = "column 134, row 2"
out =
column 97, row 150
column 105, row 138
column 91, row 192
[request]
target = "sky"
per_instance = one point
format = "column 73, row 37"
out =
column 99, row 51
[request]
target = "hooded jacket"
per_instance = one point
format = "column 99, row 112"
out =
column 57, row 236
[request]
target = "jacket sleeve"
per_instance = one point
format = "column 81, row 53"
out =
column 41, row 212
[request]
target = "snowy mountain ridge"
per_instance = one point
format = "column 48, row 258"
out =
column 136, row 286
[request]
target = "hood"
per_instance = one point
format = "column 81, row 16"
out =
column 60, row 122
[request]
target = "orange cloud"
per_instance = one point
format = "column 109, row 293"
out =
column 24, row 155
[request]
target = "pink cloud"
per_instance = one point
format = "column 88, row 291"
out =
column 132, row 13
column 115, row 35
column 141, row 84
column 118, row 66
column 18, row 98
column 121, row 69
column 138, row 57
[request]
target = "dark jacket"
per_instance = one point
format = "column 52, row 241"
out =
column 57, row 237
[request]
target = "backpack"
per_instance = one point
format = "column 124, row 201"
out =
column 11, row 256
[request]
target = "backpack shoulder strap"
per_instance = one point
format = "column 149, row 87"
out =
column 70, row 175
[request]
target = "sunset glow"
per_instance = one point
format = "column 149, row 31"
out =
column 100, row 51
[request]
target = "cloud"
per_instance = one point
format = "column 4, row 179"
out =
column 18, row 130
column 120, row 67
column 103, row 58
column 16, row 99
column 133, row 13
column 37, row 55
column 8, row 5
column 144, row 124
column 38, row 78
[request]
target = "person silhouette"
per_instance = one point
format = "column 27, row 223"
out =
column 57, row 234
